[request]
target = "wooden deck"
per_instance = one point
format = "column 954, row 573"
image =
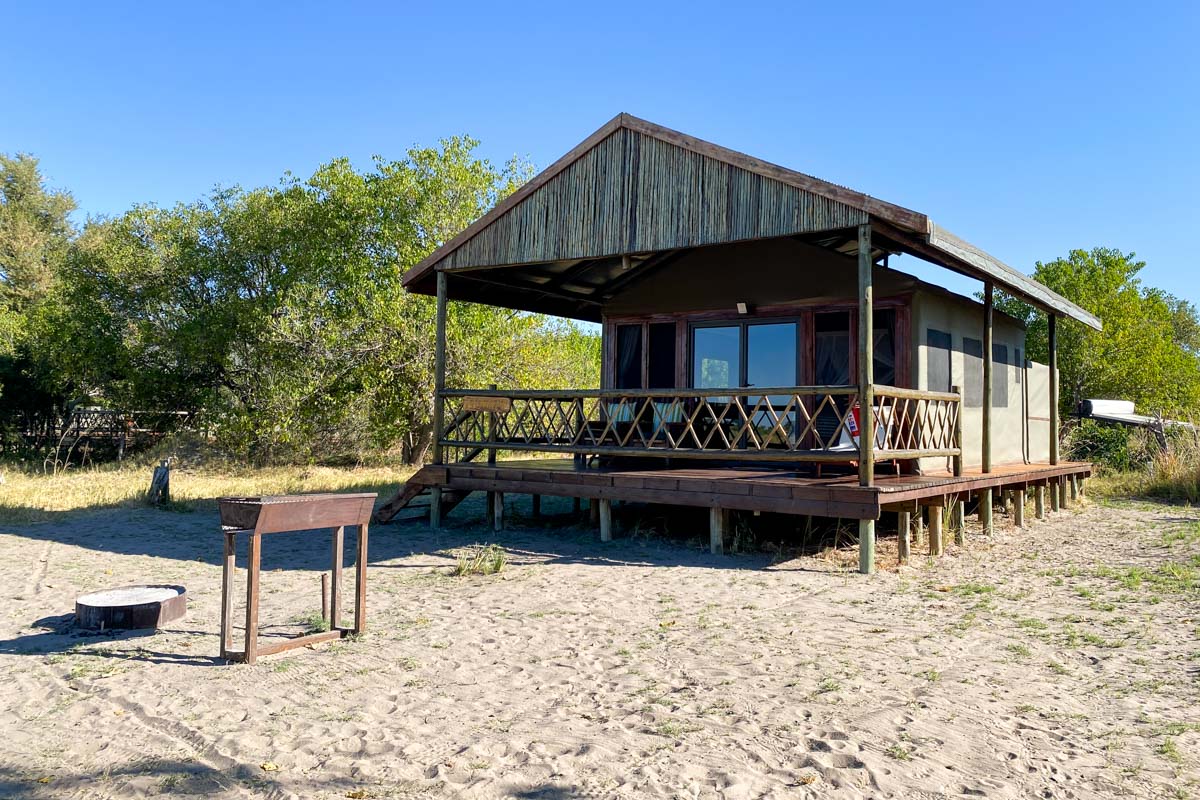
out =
column 770, row 489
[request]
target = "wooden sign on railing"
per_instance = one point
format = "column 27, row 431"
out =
column 495, row 405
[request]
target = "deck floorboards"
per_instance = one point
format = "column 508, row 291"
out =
column 773, row 489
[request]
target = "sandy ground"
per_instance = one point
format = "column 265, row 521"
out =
column 1059, row 661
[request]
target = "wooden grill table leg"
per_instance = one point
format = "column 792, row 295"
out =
column 261, row 516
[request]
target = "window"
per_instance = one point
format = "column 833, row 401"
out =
column 771, row 354
column 661, row 358
column 972, row 372
column 644, row 356
column 884, row 346
column 831, row 331
column 628, row 372
column 999, row 376
column 716, row 357
column 937, row 361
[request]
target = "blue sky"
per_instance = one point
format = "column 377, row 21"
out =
column 1028, row 128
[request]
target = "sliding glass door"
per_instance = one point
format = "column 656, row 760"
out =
column 748, row 355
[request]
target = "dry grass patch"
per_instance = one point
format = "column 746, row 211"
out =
column 33, row 497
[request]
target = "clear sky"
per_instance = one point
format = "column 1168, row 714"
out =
column 1029, row 128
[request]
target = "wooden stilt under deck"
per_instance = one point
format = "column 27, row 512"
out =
column 435, row 508
column 904, row 531
column 605, row 513
column 985, row 511
column 1055, row 495
column 935, row 530
column 497, row 511
column 718, row 528
column 1019, row 508
column 535, row 502
column 866, row 546
column 958, row 520
column 1039, row 501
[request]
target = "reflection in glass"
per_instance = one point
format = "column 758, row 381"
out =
column 716, row 357
column 771, row 361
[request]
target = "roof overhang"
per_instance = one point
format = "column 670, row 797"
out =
column 576, row 283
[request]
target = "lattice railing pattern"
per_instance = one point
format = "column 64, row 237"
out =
column 805, row 423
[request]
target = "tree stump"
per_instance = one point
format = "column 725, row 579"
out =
column 131, row 607
column 160, row 484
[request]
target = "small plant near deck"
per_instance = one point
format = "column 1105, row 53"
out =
column 674, row 729
column 971, row 589
column 313, row 622
column 1168, row 750
column 481, row 559
column 899, row 752
column 1019, row 650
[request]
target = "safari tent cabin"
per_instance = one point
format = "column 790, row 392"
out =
column 762, row 351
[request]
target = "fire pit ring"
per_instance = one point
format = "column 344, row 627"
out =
column 131, row 607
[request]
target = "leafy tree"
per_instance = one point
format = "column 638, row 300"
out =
column 278, row 312
column 35, row 236
column 1149, row 350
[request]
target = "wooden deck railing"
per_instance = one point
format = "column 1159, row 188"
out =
column 793, row 423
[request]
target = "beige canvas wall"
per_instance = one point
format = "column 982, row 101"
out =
column 961, row 364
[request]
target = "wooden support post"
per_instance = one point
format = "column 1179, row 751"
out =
column 576, row 506
column 605, row 513
column 988, row 297
column 493, row 423
column 489, row 510
column 718, row 526
column 1074, row 488
column 536, row 502
column 497, row 511
column 1039, row 501
column 439, row 373
column 957, row 462
column 594, row 510
column 1055, row 496
column 904, row 532
column 866, row 546
column 335, row 578
column 1053, row 372
column 230, row 564
column 935, row 530
column 435, row 507
column 866, row 367
column 325, row 598
column 1019, row 508
column 985, row 511
column 360, row 581
column 252, row 569
column 1064, row 492
column 958, row 519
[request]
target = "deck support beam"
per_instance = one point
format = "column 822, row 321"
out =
column 435, row 508
column 935, row 530
column 985, row 511
column 604, row 507
column 866, row 369
column 866, row 546
column 497, row 511
column 718, row 526
column 958, row 519
column 904, row 531
column 1019, row 507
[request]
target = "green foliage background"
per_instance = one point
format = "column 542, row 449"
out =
column 276, row 314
